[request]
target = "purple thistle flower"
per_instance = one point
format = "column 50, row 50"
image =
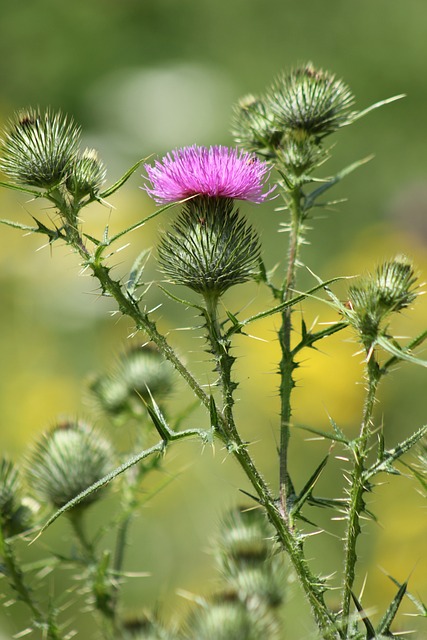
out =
column 216, row 172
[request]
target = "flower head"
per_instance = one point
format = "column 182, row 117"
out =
column 216, row 172
column 38, row 148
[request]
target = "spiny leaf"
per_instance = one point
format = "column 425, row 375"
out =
column 390, row 614
column 308, row 487
column 422, row 608
column 136, row 271
column 389, row 456
column 370, row 631
column 324, row 434
column 213, row 412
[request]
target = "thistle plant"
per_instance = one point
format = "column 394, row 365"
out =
column 209, row 247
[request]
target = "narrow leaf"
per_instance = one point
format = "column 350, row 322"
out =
column 414, row 343
column 390, row 614
column 180, row 300
column 422, row 608
column 142, row 222
column 121, row 181
column 370, row 631
column 17, row 187
column 312, row 197
column 136, row 271
column 324, row 434
column 389, row 456
column 213, row 413
column 308, row 487
column 377, row 105
column 398, row 352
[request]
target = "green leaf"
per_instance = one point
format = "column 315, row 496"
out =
column 397, row 351
column 312, row 197
column 376, row 105
column 385, row 463
column 136, row 271
column 414, row 343
column 213, row 412
column 282, row 306
column 390, row 614
column 17, row 187
column 422, row 608
column 370, row 631
column 325, row 434
column 142, row 222
column 308, row 487
column 181, row 300
column 121, row 181
column 308, row 339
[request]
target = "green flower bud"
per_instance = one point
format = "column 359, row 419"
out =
column 146, row 628
column 210, row 247
column 247, row 560
column 253, row 126
column 66, row 461
column 310, row 100
column 15, row 512
column 86, row 175
column 139, row 372
column 223, row 621
column 389, row 290
column 38, row 148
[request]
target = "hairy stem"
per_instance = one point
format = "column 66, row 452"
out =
column 287, row 362
column 358, row 487
column 288, row 538
column 100, row 583
column 15, row 576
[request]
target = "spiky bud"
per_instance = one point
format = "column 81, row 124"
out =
column 224, row 620
column 245, row 553
column 66, row 461
column 38, row 148
column 146, row 628
column 389, row 290
column 310, row 101
column 86, row 175
column 253, row 126
column 15, row 511
column 139, row 372
column 210, row 247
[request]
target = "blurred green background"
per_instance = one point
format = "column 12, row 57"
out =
column 144, row 77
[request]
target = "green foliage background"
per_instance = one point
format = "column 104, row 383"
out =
column 144, row 77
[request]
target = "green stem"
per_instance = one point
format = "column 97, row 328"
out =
column 290, row 541
column 358, row 487
column 287, row 362
column 101, row 586
column 16, row 578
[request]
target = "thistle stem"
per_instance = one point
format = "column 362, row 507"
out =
column 287, row 362
column 358, row 487
column 100, row 584
column 312, row 587
column 16, row 578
